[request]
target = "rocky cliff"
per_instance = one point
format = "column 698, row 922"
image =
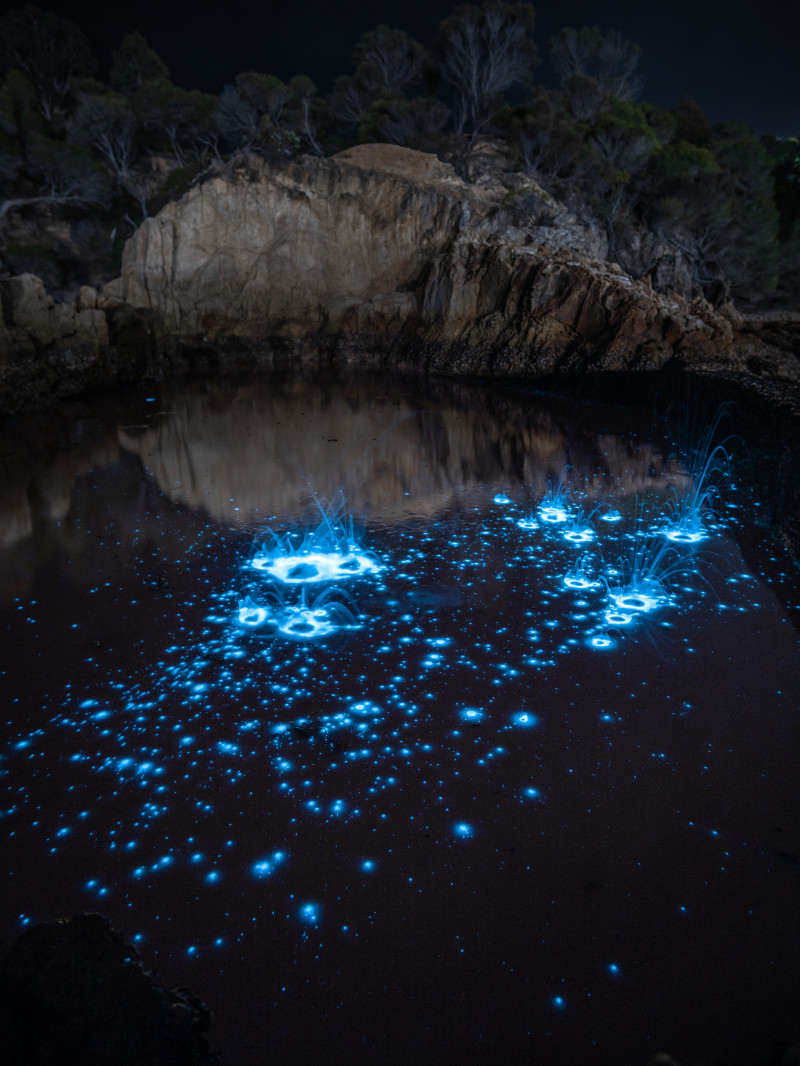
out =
column 384, row 256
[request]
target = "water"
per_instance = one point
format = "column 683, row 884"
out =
column 396, row 725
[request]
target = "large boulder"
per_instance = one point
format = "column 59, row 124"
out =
column 73, row 993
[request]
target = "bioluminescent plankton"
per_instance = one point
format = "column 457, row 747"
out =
column 330, row 551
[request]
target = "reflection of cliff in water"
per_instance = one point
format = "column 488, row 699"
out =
column 260, row 451
column 78, row 486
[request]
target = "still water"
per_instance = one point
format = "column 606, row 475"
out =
column 408, row 726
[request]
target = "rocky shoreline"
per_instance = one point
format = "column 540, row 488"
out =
column 379, row 258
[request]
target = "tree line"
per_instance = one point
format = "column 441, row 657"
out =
column 725, row 198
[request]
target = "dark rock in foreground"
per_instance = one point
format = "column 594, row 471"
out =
column 73, row 993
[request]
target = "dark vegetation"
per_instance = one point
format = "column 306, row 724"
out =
column 83, row 162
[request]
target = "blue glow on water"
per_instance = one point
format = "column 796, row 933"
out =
column 552, row 514
column 327, row 721
column 501, row 498
column 314, row 567
column 602, row 641
column 471, row 714
column 267, row 867
column 310, row 914
column 525, row 719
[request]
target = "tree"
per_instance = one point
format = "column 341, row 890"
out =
column 134, row 63
column 305, row 106
column 107, row 124
column 484, row 51
column 182, row 117
column 249, row 112
column 594, row 68
column 388, row 60
column 546, row 137
column 64, row 175
column 49, row 51
column 347, row 101
column 691, row 124
column 406, row 122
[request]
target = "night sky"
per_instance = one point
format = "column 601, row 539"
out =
column 737, row 59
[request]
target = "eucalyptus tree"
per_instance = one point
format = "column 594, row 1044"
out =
column 62, row 175
column 595, row 68
column 388, row 60
column 483, row 52
column 48, row 50
column 134, row 63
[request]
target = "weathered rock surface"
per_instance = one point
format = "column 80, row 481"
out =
column 74, row 993
column 383, row 250
column 382, row 256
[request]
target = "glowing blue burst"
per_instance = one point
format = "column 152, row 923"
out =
column 310, row 914
column 618, row 618
column 602, row 641
column 578, row 577
column 267, row 867
column 527, row 523
column 642, row 598
column 326, row 614
column 681, row 534
column 525, row 719
column 471, row 714
column 251, row 615
column 552, row 514
column 330, row 551
column 312, row 567
column 463, row 830
column 611, row 516
column 501, row 498
column 582, row 535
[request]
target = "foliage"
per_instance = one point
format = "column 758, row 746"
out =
column 484, row 51
column 48, row 50
column 729, row 203
column 134, row 63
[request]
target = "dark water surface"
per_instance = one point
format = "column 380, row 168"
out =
column 403, row 792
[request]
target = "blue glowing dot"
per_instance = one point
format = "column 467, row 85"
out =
column 501, row 498
column 613, row 969
column 368, row 865
column 558, row 1002
column 471, row 714
column 525, row 719
column 579, row 536
column 309, row 913
column 532, row 793
column 463, row 830
column 601, row 642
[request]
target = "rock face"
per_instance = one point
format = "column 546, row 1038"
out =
column 50, row 349
column 384, row 257
column 384, row 253
column 74, row 993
